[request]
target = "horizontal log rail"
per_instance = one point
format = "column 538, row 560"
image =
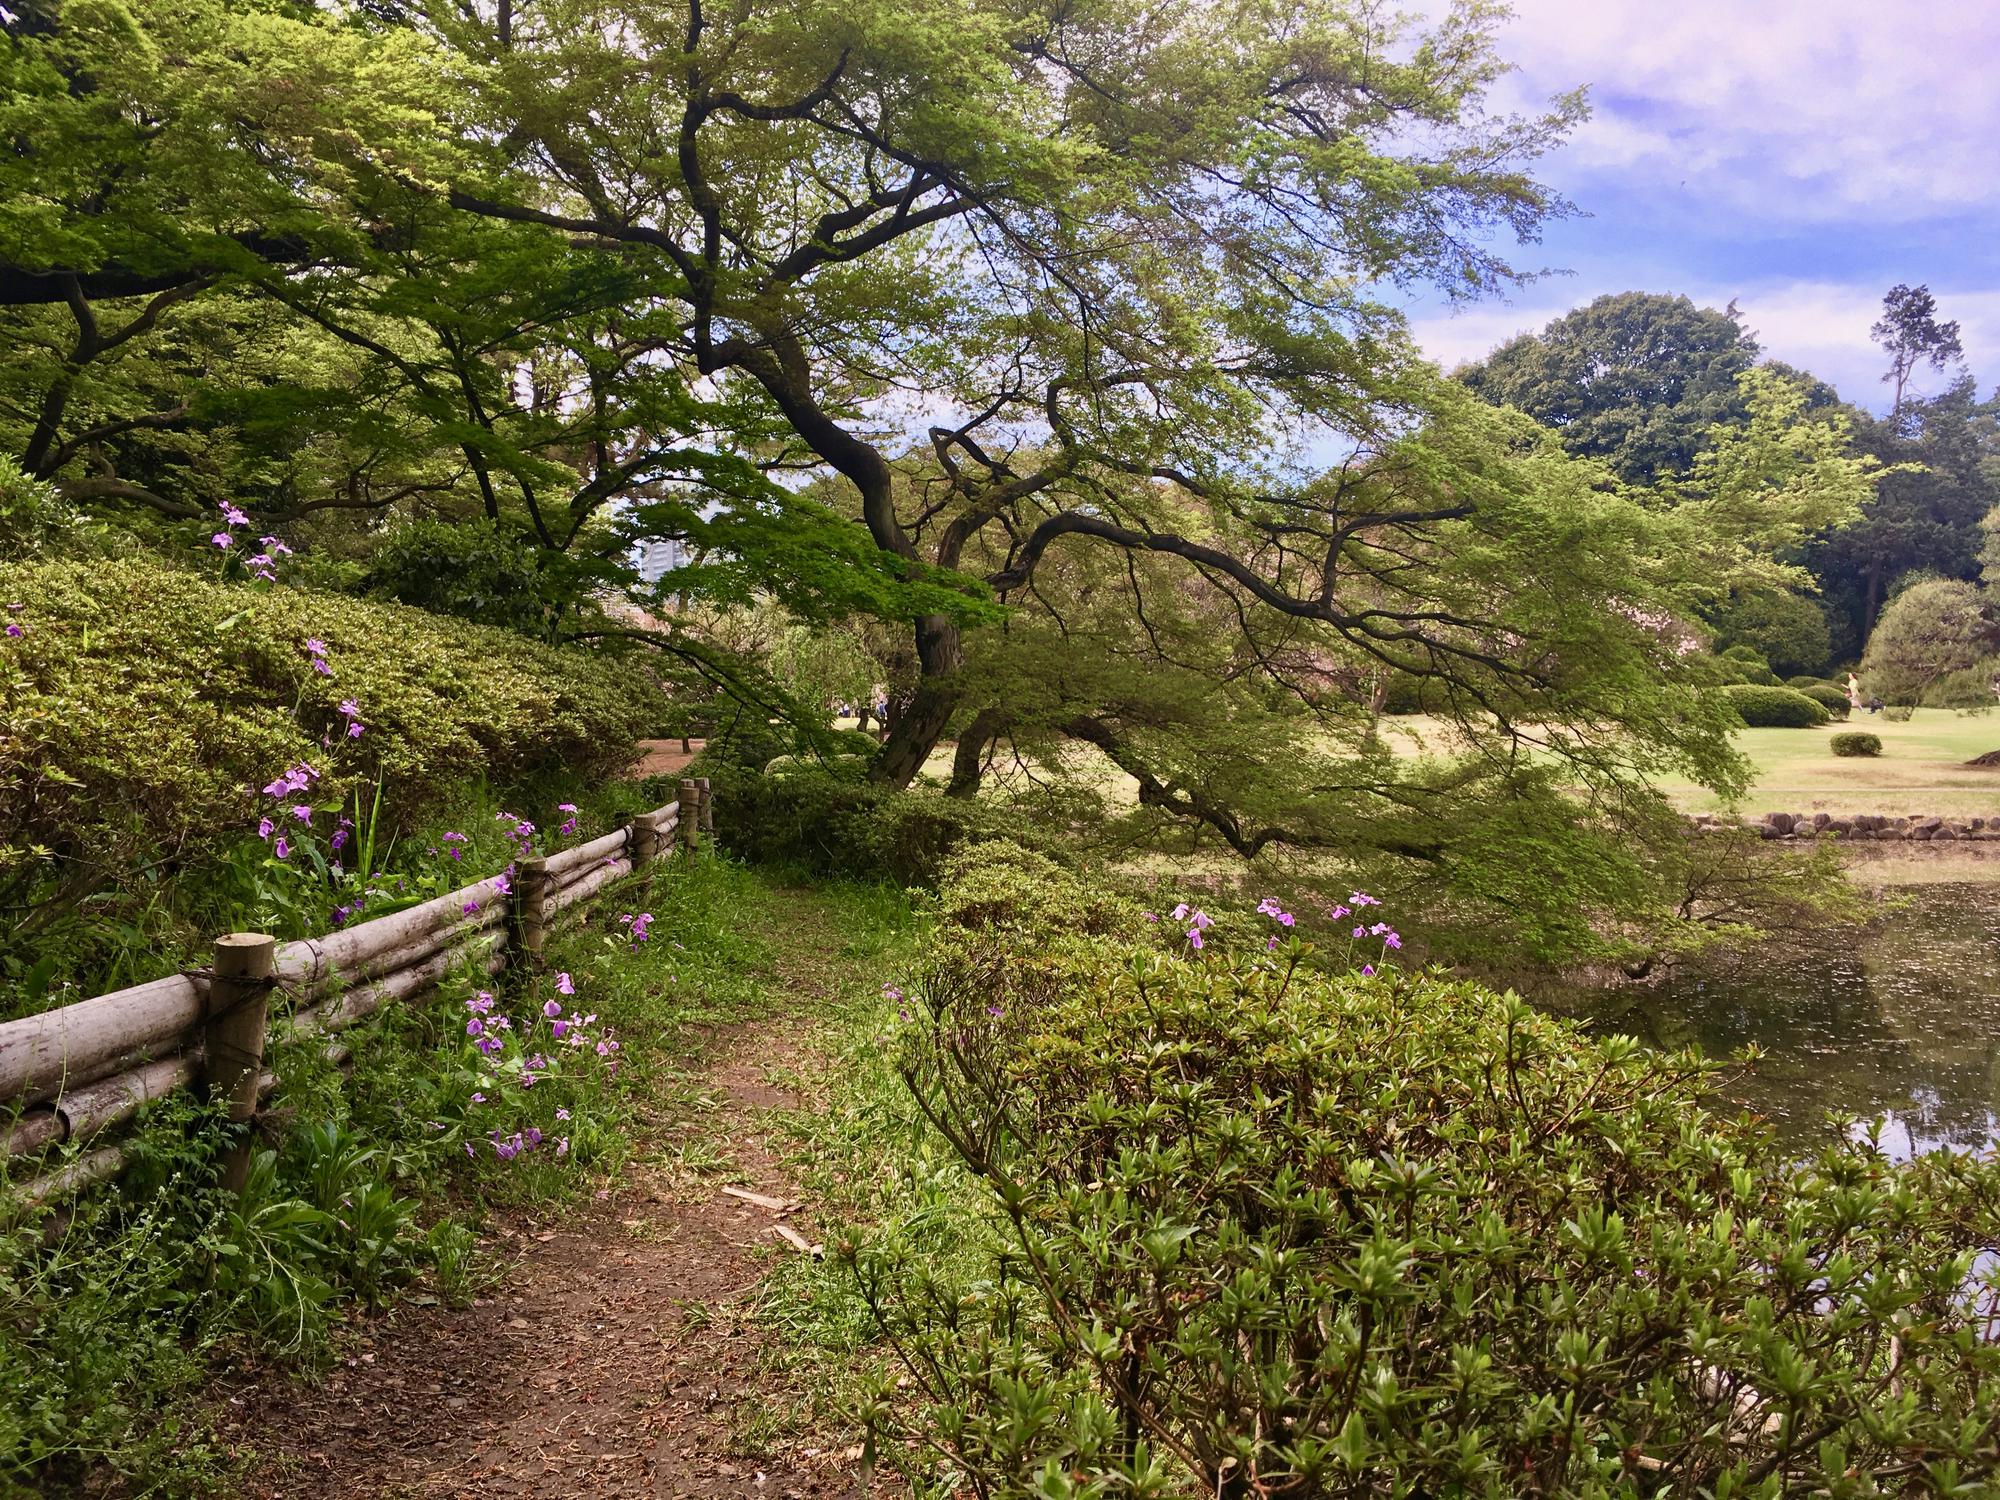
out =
column 73, row 1074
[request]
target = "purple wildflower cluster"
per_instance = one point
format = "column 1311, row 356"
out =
column 15, row 629
column 285, row 790
column 351, row 712
column 1356, row 902
column 1198, row 922
column 316, row 653
column 547, row 1046
column 638, row 928
column 263, row 564
column 521, row 831
column 568, row 829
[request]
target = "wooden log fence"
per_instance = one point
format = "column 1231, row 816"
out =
column 77, row 1072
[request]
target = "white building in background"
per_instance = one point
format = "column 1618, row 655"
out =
column 654, row 560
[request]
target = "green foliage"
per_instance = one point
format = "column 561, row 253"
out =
column 1828, row 697
column 478, row 571
column 1745, row 663
column 1787, row 630
column 1973, row 687
column 1251, row 1227
column 1856, row 743
column 1636, row 379
column 834, row 822
column 1763, row 707
column 1929, row 631
column 1899, row 713
column 34, row 519
column 142, row 708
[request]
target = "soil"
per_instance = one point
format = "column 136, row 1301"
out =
column 615, row 1358
column 664, row 757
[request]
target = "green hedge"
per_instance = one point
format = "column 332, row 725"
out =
column 1764, row 707
column 142, row 707
column 1856, row 744
column 1830, row 698
column 1393, row 1235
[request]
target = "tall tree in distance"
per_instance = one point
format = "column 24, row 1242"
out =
column 1910, row 333
column 1636, row 379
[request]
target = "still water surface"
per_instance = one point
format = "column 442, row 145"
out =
column 1900, row 1020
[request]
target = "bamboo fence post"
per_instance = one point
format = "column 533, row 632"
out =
column 642, row 842
column 239, row 999
column 690, row 815
column 528, row 910
column 707, row 806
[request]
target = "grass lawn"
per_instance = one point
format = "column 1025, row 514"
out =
column 1921, row 769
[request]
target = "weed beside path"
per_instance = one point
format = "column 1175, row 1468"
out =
column 618, row 1352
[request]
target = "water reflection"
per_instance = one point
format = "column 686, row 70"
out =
column 1900, row 1020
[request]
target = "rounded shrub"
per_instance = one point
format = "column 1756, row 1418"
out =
column 1855, row 743
column 1828, row 697
column 1394, row 1234
column 1763, row 707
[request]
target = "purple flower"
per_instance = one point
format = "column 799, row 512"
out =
column 475, row 1027
column 1270, row 943
column 1150, row 916
column 890, row 992
column 349, row 707
column 282, row 849
column 16, row 630
column 551, row 1008
column 470, row 907
column 1337, row 912
column 339, row 840
column 231, row 515
column 478, row 1098
column 222, row 539
column 273, row 546
column 996, row 1011
column 320, row 666
column 1361, row 932
column 1194, row 939
column 564, row 985
column 489, row 1045
column 302, row 812
column 1179, row 913
column 559, row 1030
column 264, row 828
column 354, row 730
column 1362, row 898
column 315, row 645
column 1392, row 940
column 533, row 1137
column 502, row 886
column 1368, row 971
column 562, row 1114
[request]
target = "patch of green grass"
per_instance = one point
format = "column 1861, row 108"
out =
column 1921, row 769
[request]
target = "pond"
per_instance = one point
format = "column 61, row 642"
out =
column 1900, row 1019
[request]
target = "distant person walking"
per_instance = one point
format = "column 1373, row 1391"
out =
column 1853, row 691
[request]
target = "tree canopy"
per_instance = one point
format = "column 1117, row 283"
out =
column 1637, row 379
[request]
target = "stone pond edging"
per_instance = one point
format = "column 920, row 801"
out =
column 1914, row 828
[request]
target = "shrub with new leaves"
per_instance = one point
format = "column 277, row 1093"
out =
column 1856, row 744
column 141, row 708
column 1256, row 1230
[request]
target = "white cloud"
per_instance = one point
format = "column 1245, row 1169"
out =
column 1811, row 108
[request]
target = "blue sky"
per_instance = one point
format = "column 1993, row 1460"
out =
column 1799, row 157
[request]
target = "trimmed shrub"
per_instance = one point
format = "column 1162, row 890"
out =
column 1251, row 1229
column 1856, row 743
column 1763, row 707
column 142, row 707
column 1802, row 683
column 1830, row 698
column 1899, row 713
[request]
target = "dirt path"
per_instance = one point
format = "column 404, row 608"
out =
column 616, row 1358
